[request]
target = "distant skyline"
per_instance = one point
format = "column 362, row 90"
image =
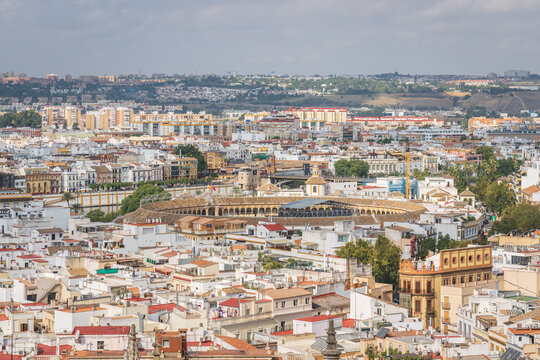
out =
column 260, row 36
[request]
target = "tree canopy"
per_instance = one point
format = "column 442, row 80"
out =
column 522, row 217
column 486, row 152
column 190, row 150
column 133, row 201
column 351, row 168
column 499, row 196
column 384, row 257
column 98, row 215
column 27, row 118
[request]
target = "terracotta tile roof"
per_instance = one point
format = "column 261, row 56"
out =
column 203, row 263
column 285, row 293
column 286, row 332
column 164, row 307
column 43, row 349
column 232, row 302
column 275, row 227
column 237, row 343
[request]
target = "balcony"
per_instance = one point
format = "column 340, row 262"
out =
column 446, row 306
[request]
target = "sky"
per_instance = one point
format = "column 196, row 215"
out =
column 263, row 36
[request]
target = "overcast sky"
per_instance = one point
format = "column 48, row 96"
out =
column 260, row 36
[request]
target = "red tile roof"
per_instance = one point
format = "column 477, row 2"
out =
column 286, row 332
column 347, row 323
column 164, row 307
column 232, row 302
column 101, row 330
column 51, row 350
column 275, row 227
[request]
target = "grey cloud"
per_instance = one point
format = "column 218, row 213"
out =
column 254, row 36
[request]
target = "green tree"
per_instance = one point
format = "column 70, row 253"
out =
column 133, row 201
column 95, row 215
column 67, row 197
column 76, row 208
column 190, row 150
column 522, row 217
column 27, row 118
column 352, row 167
column 486, row 152
column 507, row 166
column 499, row 196
column 361, row 250
column 386, row 258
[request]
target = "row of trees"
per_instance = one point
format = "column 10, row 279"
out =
column 384, row 258
column 27, row 118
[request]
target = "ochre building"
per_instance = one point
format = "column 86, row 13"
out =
column 420, row 282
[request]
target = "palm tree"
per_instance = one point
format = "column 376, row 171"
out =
column 76, row 208
column 67, row 197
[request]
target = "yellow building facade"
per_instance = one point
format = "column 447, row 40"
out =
column 420, row 282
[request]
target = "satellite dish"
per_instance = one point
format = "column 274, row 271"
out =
column 77, row 334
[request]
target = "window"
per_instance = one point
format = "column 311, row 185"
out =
column 295, row 302
column 417, row 287
column 486, row 257
column 166, row 343
column 283, row 304
column 453, row 281
column 307, row 300
column 277, row 304
column 446, row 281
column 428, row 287
column 462, row 259
column 260, row 310
column 248, row 311
column 101, row 345
column 454, row 260
column 428, row 305
column 417, row 306
column 470, row 278
column 477, row 257
column 477, row 277
column 462, row 279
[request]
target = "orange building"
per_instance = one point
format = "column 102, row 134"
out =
column 491, row 123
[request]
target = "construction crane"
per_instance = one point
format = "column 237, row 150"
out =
column 408, row 172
